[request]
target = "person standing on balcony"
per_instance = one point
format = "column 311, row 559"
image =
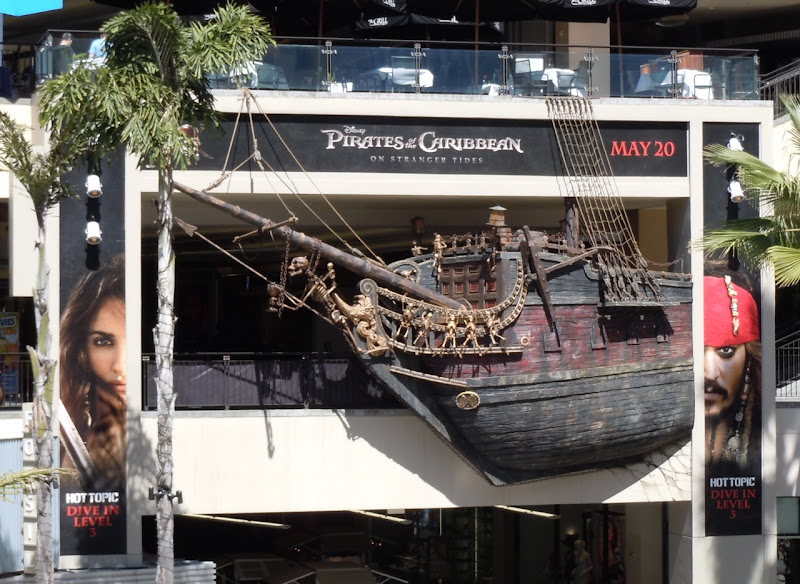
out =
column 732, row 367
column 63, row 54
column 97, row 50
column 93, row 376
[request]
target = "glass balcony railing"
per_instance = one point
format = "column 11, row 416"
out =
column 59, row 51
column 344, row 66
column 527, row 70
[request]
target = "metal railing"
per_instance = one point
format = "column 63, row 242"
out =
column 358, row 65
column 787, row 367
column 223, row 381
column 16, row 380
column 783, row 81
column 345, row 65
column 17, row 74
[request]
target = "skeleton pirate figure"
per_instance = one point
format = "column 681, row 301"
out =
column 732, row 367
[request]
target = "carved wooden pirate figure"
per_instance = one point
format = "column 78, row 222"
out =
column 732, row 366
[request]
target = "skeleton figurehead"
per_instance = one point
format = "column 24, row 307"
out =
column 298, row 266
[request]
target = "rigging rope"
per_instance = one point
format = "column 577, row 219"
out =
column 248, row 97
column 602, row 216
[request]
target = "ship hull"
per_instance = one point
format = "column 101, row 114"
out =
column 589, row 386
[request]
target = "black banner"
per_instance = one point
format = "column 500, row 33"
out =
column 732, row 360
column 92, row 365
column 464, row 146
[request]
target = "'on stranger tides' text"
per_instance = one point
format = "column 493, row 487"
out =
column 394, row 159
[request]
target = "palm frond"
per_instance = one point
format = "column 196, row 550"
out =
column 39, row 174
column 150, row 34
column 750, row 239
column 232, row 40
column 786, row 261
column 16, row 153
column 26, row 480
column 792, row 105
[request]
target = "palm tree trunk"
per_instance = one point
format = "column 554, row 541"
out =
column 43, row 366
column 164, row 336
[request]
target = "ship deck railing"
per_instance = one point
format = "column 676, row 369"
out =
column 351, row 65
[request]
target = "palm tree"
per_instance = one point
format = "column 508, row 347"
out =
column 153, row 83
column 769, row 239
column 40, row 176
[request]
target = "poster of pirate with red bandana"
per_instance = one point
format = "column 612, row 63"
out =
column 732, row 391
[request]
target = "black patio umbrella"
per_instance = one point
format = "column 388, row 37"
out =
column 413, row 26
column 563, row 10
column 602, row 10
column 316, row 18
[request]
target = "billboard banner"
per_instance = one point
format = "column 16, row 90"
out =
column 732, row 391
column 374, row 144
column 92, row 374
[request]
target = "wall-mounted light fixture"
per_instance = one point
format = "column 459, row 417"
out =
column 402, row 520
column 93, row 233
column 93, row 186
column 529, row 512
column 735, row 142
column 93, row 191
column 154, row 493
column 736, row 192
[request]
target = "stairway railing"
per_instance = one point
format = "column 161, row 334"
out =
column 783, row 81
column 787, row 367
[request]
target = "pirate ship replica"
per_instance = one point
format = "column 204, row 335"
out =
column 531, row 355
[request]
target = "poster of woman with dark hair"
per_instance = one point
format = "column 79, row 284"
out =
column 92, row 370
column 93, row 421
column 93, row 376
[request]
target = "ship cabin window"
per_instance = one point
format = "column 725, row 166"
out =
column 473, row 282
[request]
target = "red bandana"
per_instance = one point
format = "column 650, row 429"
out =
column 719, row 319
